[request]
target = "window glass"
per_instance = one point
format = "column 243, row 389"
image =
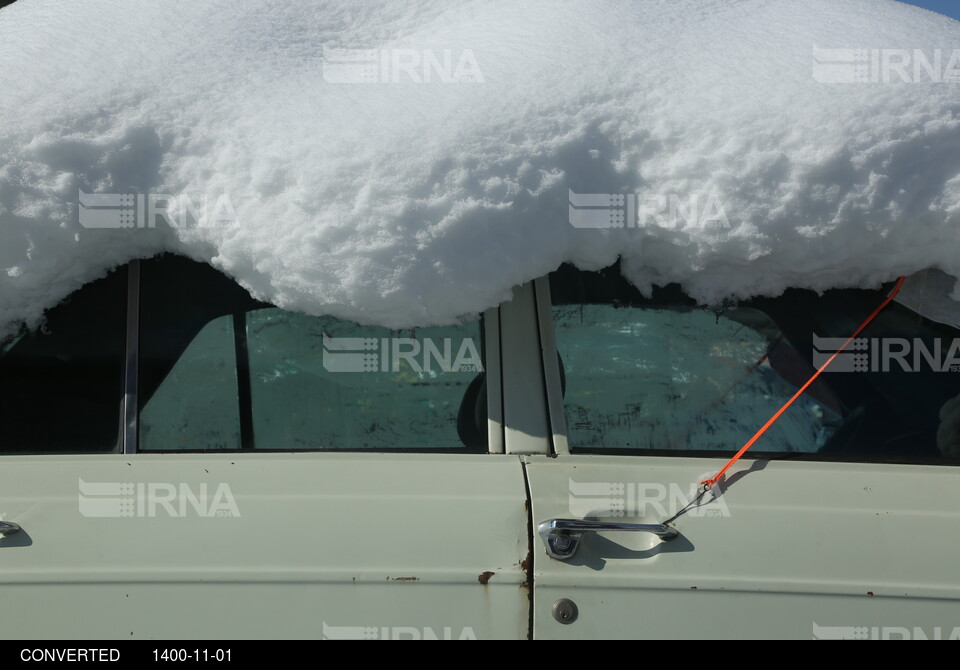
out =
column 61, row 386
column 658, row 373
column 188, row 387
column 324, row 383
column 197, row 405
column 220, row 370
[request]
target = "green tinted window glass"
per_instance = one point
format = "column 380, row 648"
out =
column 219, row 370
column 323, row 383
column 658, row 373
column 189, row 391
column 682, row 379
column 197, row 404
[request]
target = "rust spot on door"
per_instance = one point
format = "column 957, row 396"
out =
column 485, row 577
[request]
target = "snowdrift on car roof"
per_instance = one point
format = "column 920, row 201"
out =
column 408, row 163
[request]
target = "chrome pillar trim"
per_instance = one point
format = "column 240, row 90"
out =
column 491, row 323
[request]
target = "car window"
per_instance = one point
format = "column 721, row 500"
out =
column 325, row 383
column 659, row 374
column 220, row 370
column 197, row 404
column 189, row 396
column 61, row 385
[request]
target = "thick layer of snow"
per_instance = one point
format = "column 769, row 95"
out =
column 406, row 202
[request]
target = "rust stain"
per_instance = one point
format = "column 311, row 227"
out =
column 869, row 593
column 525, row 563
column 694, row 588
column 485, row 577
column 403, row 579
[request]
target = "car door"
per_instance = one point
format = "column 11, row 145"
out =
column 841, row 524
column 202, row 465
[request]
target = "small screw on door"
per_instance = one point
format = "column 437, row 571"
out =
column 565, row 611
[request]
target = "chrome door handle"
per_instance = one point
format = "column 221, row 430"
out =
column 562, row 536
column 7, row 528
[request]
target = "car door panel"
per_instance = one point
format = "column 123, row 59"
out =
column 788, row 549
column 296, row 546
column 651, row 396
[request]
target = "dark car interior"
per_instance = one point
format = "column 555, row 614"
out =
column 61, row 386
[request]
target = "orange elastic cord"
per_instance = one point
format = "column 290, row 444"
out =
column 713, row 480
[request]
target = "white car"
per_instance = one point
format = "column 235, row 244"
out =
column 178, row 460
